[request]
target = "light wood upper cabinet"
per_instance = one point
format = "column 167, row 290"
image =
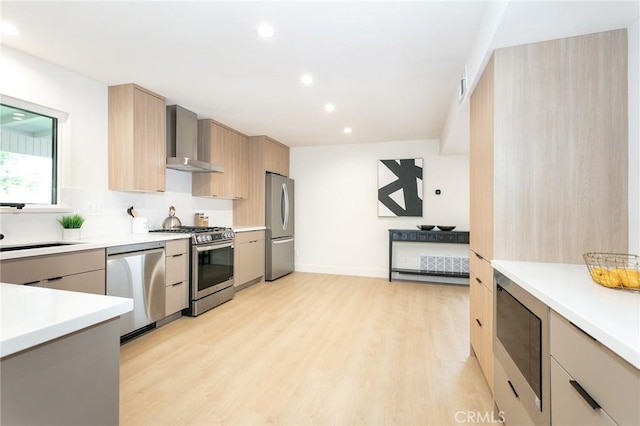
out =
column 276, row 157
column 221, row 145
column 137, row 145
column 265, row 155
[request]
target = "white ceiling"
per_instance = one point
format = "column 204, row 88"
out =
column 390, row 67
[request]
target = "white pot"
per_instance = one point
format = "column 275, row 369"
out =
column 70, row 233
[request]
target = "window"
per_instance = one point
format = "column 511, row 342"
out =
column 28, row 156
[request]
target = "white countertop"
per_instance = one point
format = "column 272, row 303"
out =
column 33, row 315
column 249, row 228
column 611, row 316
column 93, row 243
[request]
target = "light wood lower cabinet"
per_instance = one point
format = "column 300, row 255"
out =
column 177, row 276
column 481, row 313
column 590, row 385
column 82, row 271
column 248, row 257
column 481, row 325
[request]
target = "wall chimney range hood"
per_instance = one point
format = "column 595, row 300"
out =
column 182, row 142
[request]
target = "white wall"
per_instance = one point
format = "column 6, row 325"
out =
column 337, row 227
column 83, row 156
column 634, row 138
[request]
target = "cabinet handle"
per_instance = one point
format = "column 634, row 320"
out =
column 32, row 283
column 178, row 255
column 585, row 395
column 478, row 321
column 54, row 279
column 478, row 280
column 173, row 285
column 513, row 389
column 584, row 332
column 478, row 256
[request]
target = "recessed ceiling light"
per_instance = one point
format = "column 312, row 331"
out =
column 7, row 28
column 18, row 118
column 306, row 79
column 265, row 30
column 329, row 107
column 18, row 114
column 347, row 130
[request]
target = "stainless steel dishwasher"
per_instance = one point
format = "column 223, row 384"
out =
column 137, row 271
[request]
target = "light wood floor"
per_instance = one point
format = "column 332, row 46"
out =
column 311, row 349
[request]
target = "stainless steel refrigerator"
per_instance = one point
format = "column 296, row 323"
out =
column 280, row 226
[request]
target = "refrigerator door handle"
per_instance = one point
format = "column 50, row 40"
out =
column 288, row 240
column 284, row 206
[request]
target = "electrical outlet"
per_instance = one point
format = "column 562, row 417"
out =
column 94, row 209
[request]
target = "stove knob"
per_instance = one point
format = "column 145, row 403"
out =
column 209, row 237
column 198, row 238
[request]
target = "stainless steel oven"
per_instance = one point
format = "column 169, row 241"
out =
column 211, row 276
column 211, row 272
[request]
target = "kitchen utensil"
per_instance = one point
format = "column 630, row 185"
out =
column 132, row 212
column 172, row 221
column 446, row 228
column 426, row 227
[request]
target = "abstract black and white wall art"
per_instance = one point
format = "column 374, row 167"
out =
column 400, row 187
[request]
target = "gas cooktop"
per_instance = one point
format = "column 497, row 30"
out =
column 202, row 234
column 193, row 229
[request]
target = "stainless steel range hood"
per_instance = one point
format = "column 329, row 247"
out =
column 182, row 142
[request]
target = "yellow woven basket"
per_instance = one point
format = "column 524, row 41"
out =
column 614, row 270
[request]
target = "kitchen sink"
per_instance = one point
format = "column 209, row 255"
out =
column 35, row 246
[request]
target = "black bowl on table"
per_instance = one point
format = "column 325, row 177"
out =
column 426, row 227
column 446, row 228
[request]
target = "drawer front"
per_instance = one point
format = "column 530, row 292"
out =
column 482, row 269
column 173, row 247
column 476, row 312
column 511, row 409
column 176, row 297
column 612, row 382
column 569, row 407
column 481, row 326
column 177, row 268
column 36, row 268
column 245, row 237
column 86, row 282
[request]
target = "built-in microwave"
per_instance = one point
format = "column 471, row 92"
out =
column 519, row 330
column 521, row 347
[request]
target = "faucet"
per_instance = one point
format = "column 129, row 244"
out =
column 18, row 206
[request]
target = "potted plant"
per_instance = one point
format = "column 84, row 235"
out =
column 71, row 225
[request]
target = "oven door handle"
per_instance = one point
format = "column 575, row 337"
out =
column 213, row 247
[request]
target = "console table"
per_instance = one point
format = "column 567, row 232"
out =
column 417, row 236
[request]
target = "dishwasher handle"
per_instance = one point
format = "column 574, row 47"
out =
column 128, row 249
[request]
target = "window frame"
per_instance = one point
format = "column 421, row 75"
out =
column 60, row 119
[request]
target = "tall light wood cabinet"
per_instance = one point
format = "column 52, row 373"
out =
column 265, row 155
column 548, row 158
column 227, row 147
column 137, row 145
